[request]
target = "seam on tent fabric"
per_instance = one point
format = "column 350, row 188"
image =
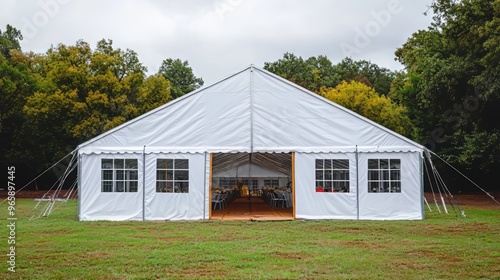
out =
column 340, row 107
column 251, row 109
column 79, row 186
column 357, row 183
column 144, row 183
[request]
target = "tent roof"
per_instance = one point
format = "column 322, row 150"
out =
column 252, row 110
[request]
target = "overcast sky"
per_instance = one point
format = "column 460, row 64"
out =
column 219, row 37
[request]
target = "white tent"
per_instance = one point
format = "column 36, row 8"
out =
column 159, row 165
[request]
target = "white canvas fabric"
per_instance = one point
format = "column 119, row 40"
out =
column 96, row 205
column 407, row 205
column 251, row 111
column 254, row 111
column 176, row 206
column 316, row 205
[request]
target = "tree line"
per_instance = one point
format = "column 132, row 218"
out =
column 447, row 98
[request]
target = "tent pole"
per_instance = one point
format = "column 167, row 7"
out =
column 79, row 178
column 357, row 184
column 205, row 186
column 144, row 183
column 210, row 186
column 422, row 180
column 294, row 202
column 249, row 176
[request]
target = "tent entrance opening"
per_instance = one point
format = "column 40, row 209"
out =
column 252, row 186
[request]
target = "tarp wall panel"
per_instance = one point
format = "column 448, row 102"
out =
column 317, row 205
column 176, row 206
column 392, row 206
column 113, row 206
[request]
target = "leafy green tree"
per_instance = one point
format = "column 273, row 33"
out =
column 313, row 73
column 452, row 83
column 316, row 72
column 16, row 83
column 366, row 72
column 152, row 93
column 9, row 40
column 180, row 75
column 85, row 92
column 363, row 100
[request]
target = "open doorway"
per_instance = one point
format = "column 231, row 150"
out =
column 251, row 186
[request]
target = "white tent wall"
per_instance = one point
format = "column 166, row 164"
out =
column 176, row 206
column 319, row 205
column 406, row 205
column 97, row 205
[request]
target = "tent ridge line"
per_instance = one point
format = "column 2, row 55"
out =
column 251, row 109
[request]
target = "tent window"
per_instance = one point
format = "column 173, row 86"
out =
column 271, row 183
column 254, row 184
column 172, row 175
column 384, row 175
column 227, row 183
column 119, row 175
column 332, row 175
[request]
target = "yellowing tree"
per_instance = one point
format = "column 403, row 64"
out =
column 365, row 101
column 85, row 92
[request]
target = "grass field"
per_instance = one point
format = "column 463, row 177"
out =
column 439, row 247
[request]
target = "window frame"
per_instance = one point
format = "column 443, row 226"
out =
column 122, row 176
column 170, row 182
column 271, row 182
column 326, row 172
column 386, row 178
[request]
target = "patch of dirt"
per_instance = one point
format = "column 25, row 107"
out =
column 424, row 253
column 204, row 270
column 446, row 258
column 476, row 200
column 362, row 244
column 290, row 255
column 36, row 194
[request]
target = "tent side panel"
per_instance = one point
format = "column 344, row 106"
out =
column 113, row 206
column 311, row 204
column 176, row 206
column 403, row 205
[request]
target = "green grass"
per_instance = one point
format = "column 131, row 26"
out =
column 439, row 247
